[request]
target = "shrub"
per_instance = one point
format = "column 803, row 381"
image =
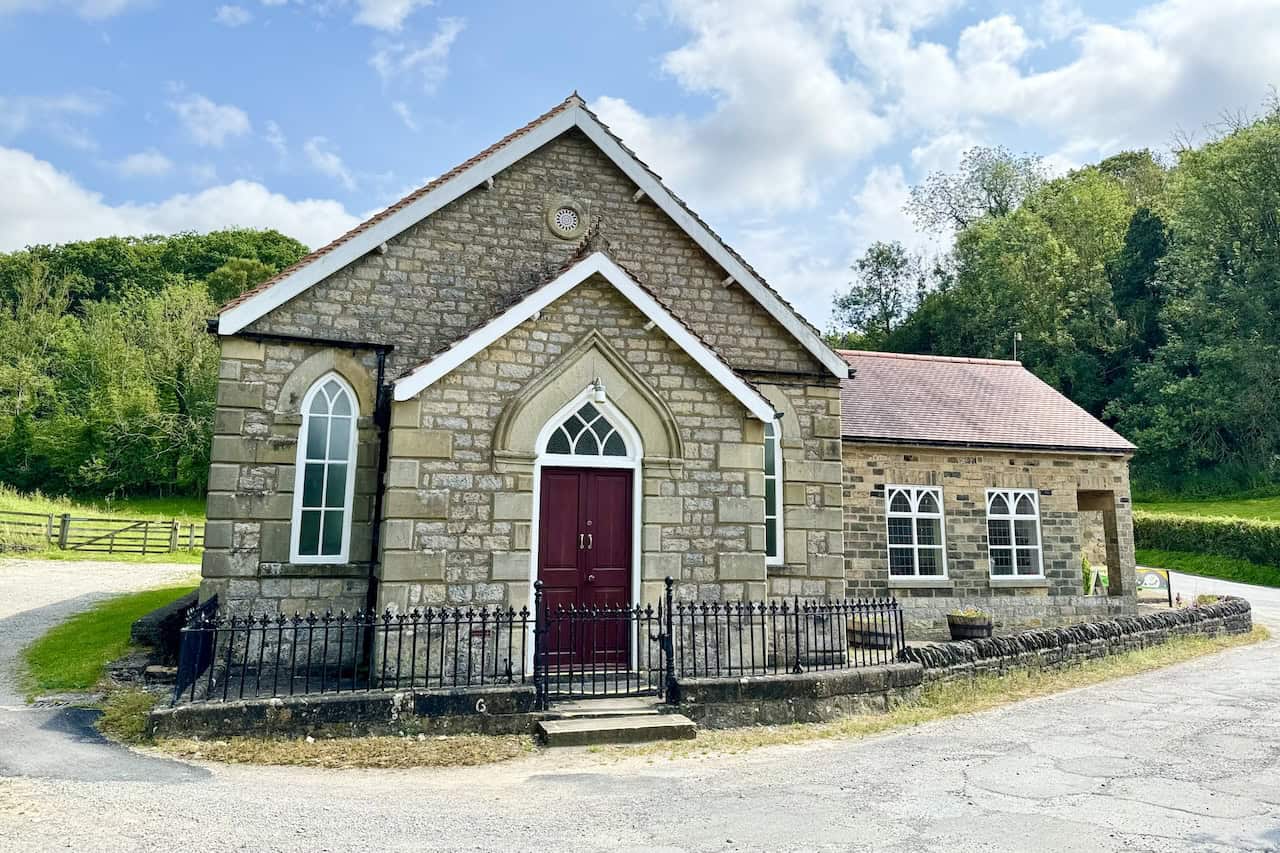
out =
column 1244, row 539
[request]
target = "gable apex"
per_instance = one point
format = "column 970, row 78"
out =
column 571, row 113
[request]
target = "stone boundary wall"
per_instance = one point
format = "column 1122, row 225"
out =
column 476, row 710
column 1058, row 648
column 807, row 697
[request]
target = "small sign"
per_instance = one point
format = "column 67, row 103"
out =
column 1153, row 585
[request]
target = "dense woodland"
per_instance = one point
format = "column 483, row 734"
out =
column 1147, row 291
column 107, row 370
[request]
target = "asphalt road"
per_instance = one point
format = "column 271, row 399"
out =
column 1185, row 758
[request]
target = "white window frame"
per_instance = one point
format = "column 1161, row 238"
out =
column 775, row 511
column 1011, row 497
column 914, row 494
column 300, row 463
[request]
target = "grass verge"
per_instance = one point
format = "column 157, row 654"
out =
column 1210, row 566
column 184, row 509
column 943, row 700
column 1258, row 508
column 72, row 655
column 352, row 753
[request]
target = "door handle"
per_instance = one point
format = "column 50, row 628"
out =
column 581, row 543
column 591, row 578
column 589, row 541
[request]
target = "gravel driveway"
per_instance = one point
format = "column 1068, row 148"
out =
column 1186, row 758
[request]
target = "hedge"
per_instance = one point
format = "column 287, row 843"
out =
column 1244, row 539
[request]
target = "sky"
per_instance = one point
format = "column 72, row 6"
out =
column 795, row 127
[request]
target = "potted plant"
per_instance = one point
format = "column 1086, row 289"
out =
column 969, row 624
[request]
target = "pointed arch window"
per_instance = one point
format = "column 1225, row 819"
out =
column 917, row 537
column 1013, row 533
column 586, row 432
column 772, row 493
column 324, row 483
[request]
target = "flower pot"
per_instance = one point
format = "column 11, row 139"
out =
column 969, row 627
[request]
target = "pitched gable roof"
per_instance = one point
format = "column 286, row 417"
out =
column 413, row 208
column 569, row 277
column 927, row 399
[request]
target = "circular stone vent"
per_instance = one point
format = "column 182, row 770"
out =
column 566, row 219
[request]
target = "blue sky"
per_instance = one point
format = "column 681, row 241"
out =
column 794, row 126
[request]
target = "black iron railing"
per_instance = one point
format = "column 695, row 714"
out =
column 244, row 657
column 564, row 652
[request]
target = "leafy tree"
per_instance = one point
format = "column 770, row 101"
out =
column 989, row 182
column 235, row 277
column 889, row 283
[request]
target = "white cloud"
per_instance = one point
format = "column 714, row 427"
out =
column 276, row 139
column 429, row 62
column 42, row 205
column 402, row 110
column 20, row 114
column 232, row 16
column 779, row 128
column 386, row 14
column 92, row 9
column 210, row 124
column 145, row 164
column 327, row 162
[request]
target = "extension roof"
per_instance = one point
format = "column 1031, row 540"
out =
column 969, row 402
column 413, row 208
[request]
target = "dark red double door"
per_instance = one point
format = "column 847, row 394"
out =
column 584, row 561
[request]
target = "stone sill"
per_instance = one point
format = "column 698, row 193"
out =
column 920, row 583
column 1019, row 583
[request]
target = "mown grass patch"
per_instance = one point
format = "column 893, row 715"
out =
column 73, row 655
column 940, row 701
column 1258, row 508
column 351, row 753
column 178, row 558
column 1210, row 566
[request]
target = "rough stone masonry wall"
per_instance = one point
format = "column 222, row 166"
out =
column 964, row 475
column 455, row 269
column 1057, row 648
column 459, row 527
column 251, row 480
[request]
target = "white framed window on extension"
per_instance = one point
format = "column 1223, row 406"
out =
column 324, row 484
column 773, row 493
column 1013, row 533
column 917, row 534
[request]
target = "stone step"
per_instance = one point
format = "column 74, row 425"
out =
column 618, row 706
column 586, row 731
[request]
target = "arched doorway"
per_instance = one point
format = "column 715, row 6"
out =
column 586, row 523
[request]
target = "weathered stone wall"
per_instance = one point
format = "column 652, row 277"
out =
column 459, row 517
column 251, row 480
column 808, row 697
column 1058, row 648
column 459, row 266
column 1063, row 481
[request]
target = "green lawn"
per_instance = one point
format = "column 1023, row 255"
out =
column 184, row 509
column 1262, row 509
column 72, row 656
column 1210, row 566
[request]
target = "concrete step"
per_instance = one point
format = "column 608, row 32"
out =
column 618, row 706
column 586, row 731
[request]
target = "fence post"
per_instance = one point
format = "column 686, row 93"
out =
column 48, row 530
column 146, row 536
column 539, row 677
column 173, row 536
column 191, row 536
column 64, row 530
column 668, row 647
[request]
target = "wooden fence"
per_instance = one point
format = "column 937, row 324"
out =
column 27, row 531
